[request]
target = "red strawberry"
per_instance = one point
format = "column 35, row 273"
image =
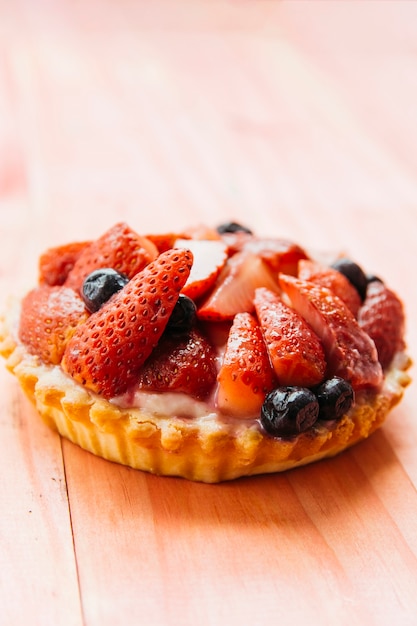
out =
column 119, row 248
column 165, row 241
column 107, row 351
column 182, row 363
column 246, row 374
column 382, row 317
column 56, row 263
column 235, row 287
column 280, row 255
column 201, row 231
column 48, row 318
column 333, row 280
column 350, row 352
column 236, row 241
column 295, row 350
column 209, row 257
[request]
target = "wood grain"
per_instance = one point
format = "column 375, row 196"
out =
column 296, row 118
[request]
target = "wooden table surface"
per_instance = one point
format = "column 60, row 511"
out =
column 296, row 118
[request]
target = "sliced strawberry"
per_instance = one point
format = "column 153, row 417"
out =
column 48, row 318
column 120, row 248
column 332, row 279
column 56, row 263
column 235, row 287
column 201, row 231
column 350, row 352
column 280, row 255
column 246, row 374
column 382, row 317
column 182, row 363
column 294, row 348
column 236, row 241
column 217, row 333
column 165, row 241
column 210, row 257
column 106, row 352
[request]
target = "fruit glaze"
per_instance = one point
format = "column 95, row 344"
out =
column 208, row 354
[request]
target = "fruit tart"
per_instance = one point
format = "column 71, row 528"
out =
column 208, row 354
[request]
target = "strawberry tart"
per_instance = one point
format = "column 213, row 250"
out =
column 208, row 354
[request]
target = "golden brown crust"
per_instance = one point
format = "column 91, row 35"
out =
column 202, row 449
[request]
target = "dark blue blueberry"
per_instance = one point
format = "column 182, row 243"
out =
column 233, row 227
column 354, row 273
column 183, row 316
column 335, row 397
column 288, row 411
column 100, row 285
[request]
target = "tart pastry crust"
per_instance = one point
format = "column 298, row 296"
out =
column 205, row 449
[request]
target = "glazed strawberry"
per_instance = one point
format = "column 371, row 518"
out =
column 236, row 241
column 235, row 288
column 382, row 317
column 201, row 231
column 107, row 351
column 333, row 280
column 120, row 248
column 56, row 263
column 350, row 352
column 183, row 363
column 48, row 319
column 209, row 257
column 165, row 241
column 246, row 374
column 280, row 255
column 294, row 348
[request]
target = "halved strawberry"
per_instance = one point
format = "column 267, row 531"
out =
column 210, row 257
column 165, row 241
column 182, row 363
column 246, row 374
column 120, row 248
column 48, row 318
column 236, row 241
column 106, row 352
column 200, row 231
column 235, row 288
column 280, row 255
column 332, row 279
column 56, row 263
column 350, row 352
column 382, row 317
column 295, row 350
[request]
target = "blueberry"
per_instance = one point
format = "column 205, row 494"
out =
column 100, row 285
column 183, row 316
column 354, row 273
column 335, row 397
column 233, row 227
column 288, row 411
